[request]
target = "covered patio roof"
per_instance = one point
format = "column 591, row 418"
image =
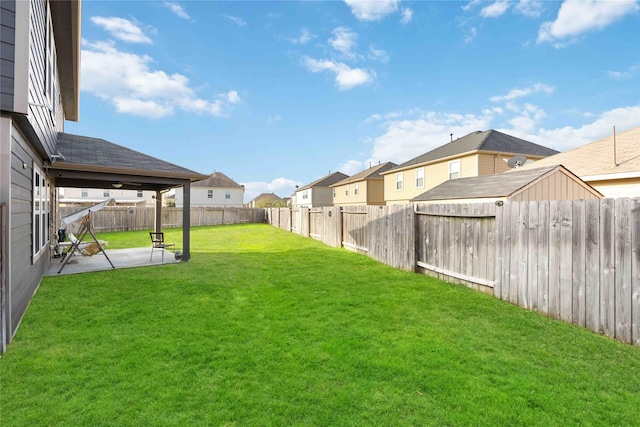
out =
column 86, row 162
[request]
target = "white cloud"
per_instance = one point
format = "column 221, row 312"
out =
column 496, row 9
column 378, row 54
column 519, row 93
column 304, row 38
column 470, row 5
column 282, row 187
column 471, row 35
column 532, row 8
column 344, row 41
column 372, row 10
column 578, row 17
column 630, row 72
column 236, row 20
column 127, row 81
column 351, row 167
column 346, row 77
column 177, row 9
column 122, row 29
column 407, row 15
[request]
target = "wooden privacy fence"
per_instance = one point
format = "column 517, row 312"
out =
column 125, row 218
column 576, row 261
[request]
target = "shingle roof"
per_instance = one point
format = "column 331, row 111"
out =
column 489, row 140
column 325, row 181
column 102, row 154
column 217, row 180
column 266, row 197
column 596, row 158
column 500, row 185
column 371, row 173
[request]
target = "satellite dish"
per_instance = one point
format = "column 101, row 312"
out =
column 517, row 161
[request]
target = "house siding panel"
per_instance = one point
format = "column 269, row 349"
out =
column 7, row 53
column 26, row 271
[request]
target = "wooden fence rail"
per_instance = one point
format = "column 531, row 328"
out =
column 124, row 218
column 576, row 261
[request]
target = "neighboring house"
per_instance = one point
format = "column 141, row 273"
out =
column 267, row 200
column 523, row 184
column 89, row 196
column 610, row 165
column 218, row 190
column 479, row 153
column 40, row 53
column 364, row 188
column 318, row 193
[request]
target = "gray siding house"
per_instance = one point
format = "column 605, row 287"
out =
column 39, row 90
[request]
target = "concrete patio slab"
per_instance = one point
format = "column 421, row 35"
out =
column 121, row 258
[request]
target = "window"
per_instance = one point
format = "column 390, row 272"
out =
column 420, row 178
column 139, row 193
column 84, row 193
column 334, row 192
column 227, row 194
column 346, row 190
column 305, row 194
column 355, row 188
column 106, row 193
column 209, row 194
column 399, row 180
column 41, row 207
column 454, row 169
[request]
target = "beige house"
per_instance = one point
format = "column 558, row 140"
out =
column 318, row 193
column 364, row 188
column 479, row 153
column 267, row 200
column 89, row 196
column 519, row 185
column 611, row 165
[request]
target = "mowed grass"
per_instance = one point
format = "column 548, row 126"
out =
column 263, row 327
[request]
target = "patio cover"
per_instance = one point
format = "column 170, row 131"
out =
column 86, row 162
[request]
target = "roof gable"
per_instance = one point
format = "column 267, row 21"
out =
column 489, row 140
column 325, row 181
column 374, row 172
column 217, row 180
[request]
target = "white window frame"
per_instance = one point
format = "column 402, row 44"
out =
column 305, row 194
column 106, row 192
column 209, row 194
column 41, row 208
column 346, row 190
column 454, row 169
column 356, row 187
column 420, row 178
column 334, row 191
column 400, row 181
column 227, row 194
column 84, row 193
column 139, row 193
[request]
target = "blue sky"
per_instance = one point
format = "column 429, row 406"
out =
column 279, row 93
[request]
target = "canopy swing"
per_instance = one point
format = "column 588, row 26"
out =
column 86, row 229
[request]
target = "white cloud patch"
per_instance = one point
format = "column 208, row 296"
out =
column 128, row 82
column 519, row 93
column 496, row 9
column 304, row 37
column 122, row 29
column 351, row 167
column 346, row 77
column 344, row 41
column 532, row 8
column 282, row 187
column 471, row 35
column 177, row 9
column 407, row 15
column 378, row 54
column 625, row 74
column 236, row 20
column 372, row 10
column 578, row 17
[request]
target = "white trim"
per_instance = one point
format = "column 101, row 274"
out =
column 606, row 177
column 21, row 64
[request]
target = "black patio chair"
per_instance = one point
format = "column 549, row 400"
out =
column 157, row 242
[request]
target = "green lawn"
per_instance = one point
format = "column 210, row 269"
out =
column 263, row 327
